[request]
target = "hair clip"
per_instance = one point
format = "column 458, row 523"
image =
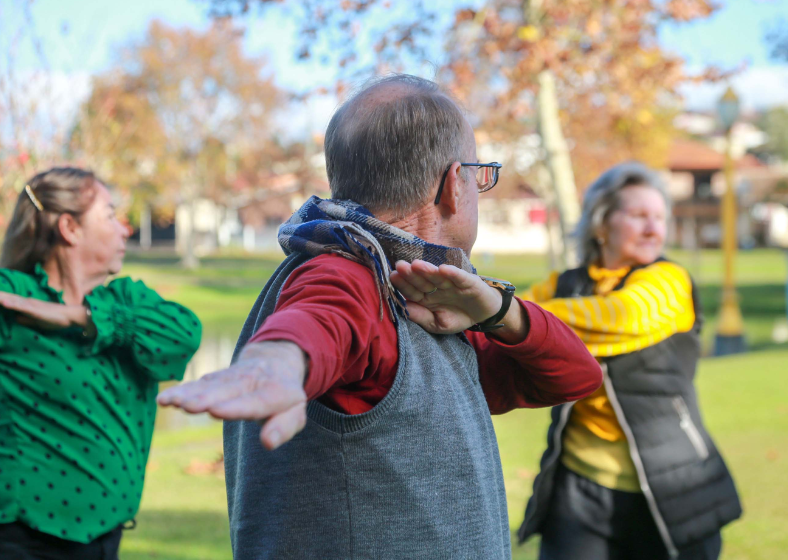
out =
column 33, row 199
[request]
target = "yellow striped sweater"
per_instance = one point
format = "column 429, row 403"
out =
column 654, row 303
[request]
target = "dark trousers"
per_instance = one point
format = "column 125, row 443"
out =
column 587, row 521
column 20, row 542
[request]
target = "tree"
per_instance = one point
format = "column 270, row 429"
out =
column 774, row 123
column 119, row 135
column 777, row 40
column 597, row 63
column 520, row 64
column 205, row 98
column 31, row 128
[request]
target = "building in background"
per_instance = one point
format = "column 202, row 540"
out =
column 515, row 217
column 696, row 183
column 515, row 224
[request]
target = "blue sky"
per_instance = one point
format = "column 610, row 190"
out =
column 729, row 37
column 732, row 35
column 81, row 37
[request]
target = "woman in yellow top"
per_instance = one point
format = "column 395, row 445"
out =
column 630, row 472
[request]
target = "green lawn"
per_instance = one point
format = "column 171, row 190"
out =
column 222, row 290
column 183, row 516
column 745, row 409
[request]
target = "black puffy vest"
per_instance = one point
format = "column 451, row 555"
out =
column 689, row 489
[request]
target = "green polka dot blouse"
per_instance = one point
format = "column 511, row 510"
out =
column 77, row 415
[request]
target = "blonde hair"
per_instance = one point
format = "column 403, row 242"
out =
column 33, row 232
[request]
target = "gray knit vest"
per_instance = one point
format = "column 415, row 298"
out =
column 418, row 476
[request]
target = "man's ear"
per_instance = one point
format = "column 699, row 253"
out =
column 69, row 229
column 452, row 189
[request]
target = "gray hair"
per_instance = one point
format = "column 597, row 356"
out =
column 602, row 198
column 387, row 154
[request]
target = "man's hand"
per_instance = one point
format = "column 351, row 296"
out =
column 447, row 300
column 44, row 314
column 265, row 384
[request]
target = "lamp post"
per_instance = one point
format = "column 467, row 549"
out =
column 730, row 330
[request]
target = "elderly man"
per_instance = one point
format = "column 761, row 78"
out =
column 382, row 381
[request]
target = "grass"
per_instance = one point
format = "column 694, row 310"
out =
column 222, row 290
column 184, row 516
column 743, row 401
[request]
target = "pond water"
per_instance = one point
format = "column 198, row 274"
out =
column 214, row 354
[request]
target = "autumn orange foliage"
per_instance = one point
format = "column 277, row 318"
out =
column 618, row 86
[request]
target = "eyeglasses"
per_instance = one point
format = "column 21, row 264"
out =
column 486, row 176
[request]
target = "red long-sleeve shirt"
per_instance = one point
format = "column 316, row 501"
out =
column 330, row 308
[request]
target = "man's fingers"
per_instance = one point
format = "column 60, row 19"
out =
column 419, row 279
column 283, row 426
column 413, row 277
column 457, row 276
column 432, row 274
column 214, row 375
column 409, row 291
column 178, row 394
column 421, row 316
column 259, row 405
column 211, row 393
column 173, row 395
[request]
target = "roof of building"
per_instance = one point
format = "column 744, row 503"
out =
column 688, row 155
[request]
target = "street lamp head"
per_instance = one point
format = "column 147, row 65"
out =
column 728, row 108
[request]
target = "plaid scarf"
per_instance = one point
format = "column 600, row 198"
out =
column 345, row 228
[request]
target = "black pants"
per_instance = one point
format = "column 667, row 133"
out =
column 587, row 521
column 20, row 542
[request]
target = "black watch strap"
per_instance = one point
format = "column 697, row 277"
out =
column 507, row 293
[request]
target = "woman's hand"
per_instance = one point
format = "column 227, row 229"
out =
column 44, row 314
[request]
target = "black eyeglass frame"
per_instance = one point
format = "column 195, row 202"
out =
column 494, row 164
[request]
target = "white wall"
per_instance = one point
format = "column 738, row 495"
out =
column 504, row 227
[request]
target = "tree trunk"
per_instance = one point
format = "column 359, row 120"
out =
column 188, row 258
column 556, row 152
column 558, row 163
column 554, row 244
column 145, row 228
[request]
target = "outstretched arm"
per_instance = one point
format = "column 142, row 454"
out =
column 654, row 303
column 265, row 383
column 534, row 360
column 325, row 332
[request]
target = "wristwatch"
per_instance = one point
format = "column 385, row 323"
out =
column 507, row 290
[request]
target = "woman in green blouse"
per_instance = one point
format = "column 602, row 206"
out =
column 80, row 364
